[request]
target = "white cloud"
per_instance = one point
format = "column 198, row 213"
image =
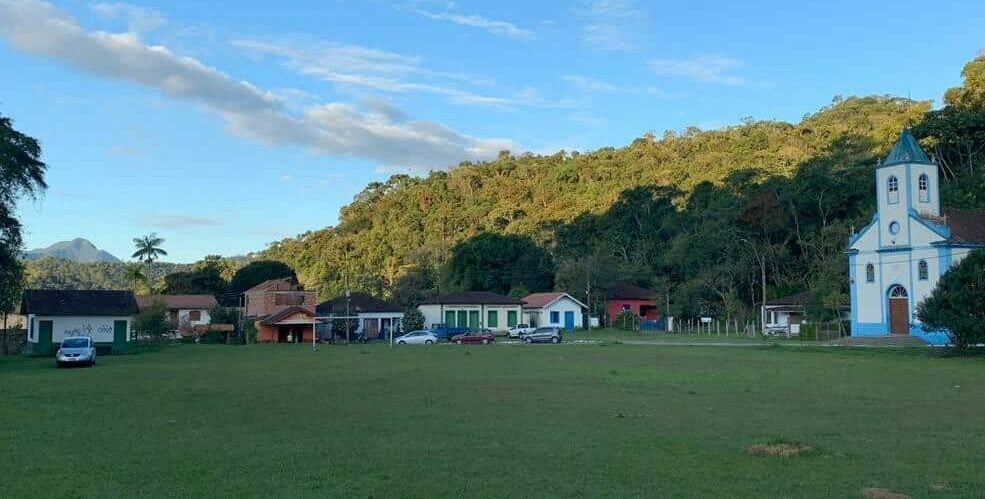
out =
column 173, row 221
column 707, row 69
column 612, row 24
column 138, row 19
column 363, row 67
column 36, row 27
column 493, row 26
column 588, row 84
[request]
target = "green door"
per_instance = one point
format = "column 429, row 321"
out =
column 450, row 318
column 44, row 337
column 119, row 336
column 511, row 318
column 474, row 319
column 463, row 318
column 492, row 321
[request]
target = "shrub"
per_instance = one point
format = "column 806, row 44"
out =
column 627, row 321
column 413, row 320
column 957, row 304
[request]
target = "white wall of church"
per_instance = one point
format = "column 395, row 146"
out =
column 890, row 211
column 930, row 204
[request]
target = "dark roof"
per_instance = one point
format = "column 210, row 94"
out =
column 907, row 150
column 967, row 226
column 207, row 302
column 78, row 302
column 273, row 319
column 472, row 298
column 802, row 298
column 630, row 292
column 281, row 284
column 358, row 302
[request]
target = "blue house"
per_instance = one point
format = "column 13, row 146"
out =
column 896, row 260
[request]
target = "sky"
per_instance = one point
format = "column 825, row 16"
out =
column 223, row 129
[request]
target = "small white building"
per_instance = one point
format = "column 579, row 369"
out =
column 376, row 319
column 52, row 315
column 553, row 309
column 185, row 311
column 785, row 315
column 473, row 310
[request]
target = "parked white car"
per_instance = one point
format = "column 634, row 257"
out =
column 519, row 330
column 417, row 338
column 76, row 351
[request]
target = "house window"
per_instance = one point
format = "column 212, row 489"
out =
column 555, row 317
column 625, row 307
column 922, row 271
column 194, row 315
column 893, row 190
column 870, row 273
column 492, row 319
column 923, row 184
column 511, row 318
column 289, row 299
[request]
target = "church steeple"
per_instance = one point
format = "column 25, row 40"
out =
column 907, row 150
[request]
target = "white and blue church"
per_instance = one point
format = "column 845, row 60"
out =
column 897, row 259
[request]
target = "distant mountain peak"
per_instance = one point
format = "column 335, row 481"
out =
column 76, row 250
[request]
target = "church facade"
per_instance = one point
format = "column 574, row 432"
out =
column 896, row 260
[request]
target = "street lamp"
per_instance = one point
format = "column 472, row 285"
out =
column 762, row 274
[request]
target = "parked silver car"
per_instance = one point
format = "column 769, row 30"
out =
column 76, row 351
column 548, row 334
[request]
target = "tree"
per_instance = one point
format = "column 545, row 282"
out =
column 204, row 278
column 957, row 304
column 21, row 173
column 258, row 272
column 148, row 248
column 134, row 275
column 413, row 320
column 152, row 321
column 499, row 263
column 11, row 280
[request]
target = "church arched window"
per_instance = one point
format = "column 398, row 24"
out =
column 922, row 271
column 923, row 184
column 870, row 273
column 893, row 189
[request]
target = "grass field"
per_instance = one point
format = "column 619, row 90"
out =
column 495, row 421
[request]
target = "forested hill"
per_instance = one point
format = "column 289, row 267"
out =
column 687, row 213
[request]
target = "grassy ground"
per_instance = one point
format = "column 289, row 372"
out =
column 494, row 421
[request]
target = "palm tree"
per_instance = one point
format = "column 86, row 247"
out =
column 134, row 274
column 148, row 248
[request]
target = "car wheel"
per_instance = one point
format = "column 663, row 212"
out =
column 401, row 342
column 485, row 341
column 429, row 342
column 555, row 339
column 528, row 341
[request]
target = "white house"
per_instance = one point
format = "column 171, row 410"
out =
column 186, row 311
column 786, row 314
column 375, row 318
column 472, row 309
column 896, row 260
column 52, row 315
column 553, row 309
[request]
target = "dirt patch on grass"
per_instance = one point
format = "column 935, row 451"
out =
column 779, row 449
column 880, row 493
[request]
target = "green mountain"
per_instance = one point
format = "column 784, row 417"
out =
column 76, row 250
column 692, row 214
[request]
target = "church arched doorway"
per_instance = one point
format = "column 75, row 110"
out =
column 899, row 310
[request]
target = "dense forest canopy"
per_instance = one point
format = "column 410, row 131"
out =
column 689, row 214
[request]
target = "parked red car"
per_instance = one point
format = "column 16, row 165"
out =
column 480, row 337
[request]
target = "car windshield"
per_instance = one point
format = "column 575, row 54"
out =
column 75, row 343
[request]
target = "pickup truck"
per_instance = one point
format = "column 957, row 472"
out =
column 445, row 332
column 519, row 330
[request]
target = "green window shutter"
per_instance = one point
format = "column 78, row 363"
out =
column 474, row 319
column 450, row 318
column 463, row 318
column 511, row 318
column 44, row 337
column 493, row 319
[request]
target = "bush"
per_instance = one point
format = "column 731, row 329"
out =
column 957, row 304
column 413, row 320
column 212, row 338
column 153, row 322
column 627, row 321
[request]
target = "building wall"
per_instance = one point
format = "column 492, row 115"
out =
column 99, row 328
column 435, row 314
column 183, row 314
column 542, row 316
column 614, row 307
column 264, row 302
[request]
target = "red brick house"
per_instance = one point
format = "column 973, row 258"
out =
column 281, row 310
column 627, row 297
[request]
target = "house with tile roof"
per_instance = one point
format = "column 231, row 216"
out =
column 52, row 315
column 184, row 311
column 472, row 310
column 553, row 309
column 896, row 260
column 374, row 318
column 282, row 311
column 641, row 302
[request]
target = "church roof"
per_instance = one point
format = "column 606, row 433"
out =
column 907, row 150
column 967, row 226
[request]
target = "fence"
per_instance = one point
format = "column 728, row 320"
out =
column 819, row 331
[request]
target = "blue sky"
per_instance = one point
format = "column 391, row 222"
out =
column 223, row 129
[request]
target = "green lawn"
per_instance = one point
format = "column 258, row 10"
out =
column 495, row 421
